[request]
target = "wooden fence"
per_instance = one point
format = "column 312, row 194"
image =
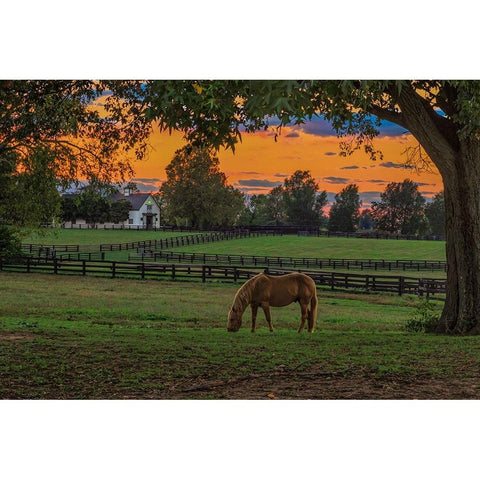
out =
column 295, row 262
column 333, row 280
column 157, row 244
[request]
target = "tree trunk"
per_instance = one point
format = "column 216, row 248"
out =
column 461, row 313
column 457, row 157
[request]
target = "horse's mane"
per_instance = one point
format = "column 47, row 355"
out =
column 244, row 294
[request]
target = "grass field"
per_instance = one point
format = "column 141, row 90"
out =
column 327, row 247
column 66, row 236
column 286, row 245
column 74, row 337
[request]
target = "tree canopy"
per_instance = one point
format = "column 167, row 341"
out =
column 302, row 199
column 344, row 213
column 86, row 137
column 400, row 209
column 196, row 191
column 297, row 202
column 435, row 212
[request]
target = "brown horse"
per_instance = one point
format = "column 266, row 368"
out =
column 275, row 291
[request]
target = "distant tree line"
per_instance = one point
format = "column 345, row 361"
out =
column 197, row 194
column 298, row 201
column 404, row 210
column 401, row 209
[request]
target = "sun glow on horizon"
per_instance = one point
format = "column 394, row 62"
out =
column 259, row 163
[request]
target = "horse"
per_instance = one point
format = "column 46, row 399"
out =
column 267, row 291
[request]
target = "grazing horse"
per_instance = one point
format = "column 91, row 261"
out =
column 275, row 291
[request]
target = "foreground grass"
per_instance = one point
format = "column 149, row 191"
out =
column 102, row 338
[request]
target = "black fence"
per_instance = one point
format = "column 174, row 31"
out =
column 305, row 262
column 333, row 280
column 309, row 230
column 53, row 251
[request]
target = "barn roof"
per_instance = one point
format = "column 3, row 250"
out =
column 136, row 199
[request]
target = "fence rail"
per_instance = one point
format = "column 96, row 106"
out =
column 272, row 229
column 156, row 244
column 141, row 270
column 308, row 262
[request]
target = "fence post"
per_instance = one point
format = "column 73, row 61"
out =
column 113, row 269
column 173, row 272
column 401, row 285
column 55, row 266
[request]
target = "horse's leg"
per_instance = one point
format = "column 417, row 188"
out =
column 254, row 316
column 266, row 310
column 312, row 313
column 304, row 312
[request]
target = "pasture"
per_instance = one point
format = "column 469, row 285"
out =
column 96, row 338
column 327, row 247
column 67, row 236
column 287, row 245
column 103, row 338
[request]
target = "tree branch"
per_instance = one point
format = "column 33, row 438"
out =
column 435, row 133
column 389, row 115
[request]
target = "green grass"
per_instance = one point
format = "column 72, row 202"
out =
column 326, row 247
column 73, row 337
column 284, row 246
column 65, row 236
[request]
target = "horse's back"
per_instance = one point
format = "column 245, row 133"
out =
column 293, row 278
column 284, row 289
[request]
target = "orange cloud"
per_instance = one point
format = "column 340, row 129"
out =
column 260, row 161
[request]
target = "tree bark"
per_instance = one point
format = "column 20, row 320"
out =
column 461, row 314
column 458, row 161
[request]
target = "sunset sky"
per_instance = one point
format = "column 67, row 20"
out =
column 259, row 163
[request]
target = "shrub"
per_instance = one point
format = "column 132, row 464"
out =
column 10, row 245
column 424, row 319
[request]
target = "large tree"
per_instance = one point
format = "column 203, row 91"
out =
column 86, row 136
column 53, row 132
column 196, row 191
column 28, row 196
column 345, row 212
column 302, row 199
column 435, row 212
column 443, row 116
column 265, row 209
column 400, row 209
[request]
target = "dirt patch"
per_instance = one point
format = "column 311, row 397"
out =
column 16, row 336
column 361, row 386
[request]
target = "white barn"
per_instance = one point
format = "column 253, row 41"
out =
column 144, row 213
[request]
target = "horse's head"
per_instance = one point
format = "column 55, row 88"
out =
column 234, row 321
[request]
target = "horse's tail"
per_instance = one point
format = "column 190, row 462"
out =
column 312, row 314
